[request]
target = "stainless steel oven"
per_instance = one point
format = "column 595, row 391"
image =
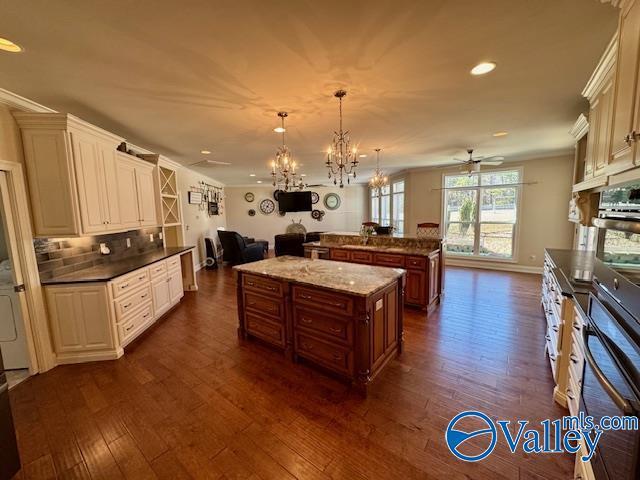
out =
column 611, row 378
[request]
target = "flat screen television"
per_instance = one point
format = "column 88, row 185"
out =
column 294, row 202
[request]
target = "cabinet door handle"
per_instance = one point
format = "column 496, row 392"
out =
column 305, row 297
column 126, row 306
column 335, row 330
column 574, row 358
column 145, row 315
column 570, row 394
column 141, row 277
column 128, row 329
column 552, row 356
column 123, row 286
column 251, row 284
column 555, row 328
column 306, row 346
column 251, row 304
column 306, row 320
column 144, row 296
column 548, row 337
column 337, row 356
column 577, row 326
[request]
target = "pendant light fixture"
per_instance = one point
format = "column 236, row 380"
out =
column 379, row 179
column 283, row 168
column 342, row 160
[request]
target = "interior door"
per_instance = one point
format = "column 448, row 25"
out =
column 146, row 197
column 13, row 339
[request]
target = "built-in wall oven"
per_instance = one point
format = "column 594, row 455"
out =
column 611, row 378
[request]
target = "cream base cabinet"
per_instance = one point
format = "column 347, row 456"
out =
column 81, row 323
column 161, row 294
column 174, row 281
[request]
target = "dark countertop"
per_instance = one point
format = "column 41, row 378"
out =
column 574, row 271
column 110, row 270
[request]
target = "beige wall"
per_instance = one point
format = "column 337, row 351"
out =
column 543, row 206
column 349, row 216
column 197, row 223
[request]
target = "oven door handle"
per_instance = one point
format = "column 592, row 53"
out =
column 622, row 403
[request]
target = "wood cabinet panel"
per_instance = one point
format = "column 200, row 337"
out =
column 127, row 283
column 603, row 131
column 415, row 288
column 146, row 196
column 91, row 183
column 434, row 277
column 336, row 358
column 335, row 328
column 323, row 300
column 111, row 200
column 340, row 254
column 161, row 295
column 416, row 262
column 176, row 290
column 267, row 330
column 263, row 285
column 389, row 260
column 127, row 193
column 125, row 305
column 359, row 256
column 262, row 304
column 136, row 324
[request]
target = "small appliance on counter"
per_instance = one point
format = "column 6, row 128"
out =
column 9, row 457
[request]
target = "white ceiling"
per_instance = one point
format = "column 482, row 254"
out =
column 180, row 76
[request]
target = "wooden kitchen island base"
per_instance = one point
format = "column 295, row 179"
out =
column 342, row 317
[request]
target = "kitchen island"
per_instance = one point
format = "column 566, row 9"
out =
column 343, row 317
column 423, row 259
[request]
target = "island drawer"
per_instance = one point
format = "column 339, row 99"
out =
column 324, row 300
column 323, row 324
column 333, row 357
column 339, row 254
column 125, row 305
column 266, row 305
column 263, row 285
column 158, row 269
column 361, row 257
column 389, row 260
column 123, row 285
column 416, row 262
column 267, row 330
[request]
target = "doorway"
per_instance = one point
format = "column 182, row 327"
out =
column 14, row 350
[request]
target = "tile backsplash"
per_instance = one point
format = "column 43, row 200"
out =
column 59, row 256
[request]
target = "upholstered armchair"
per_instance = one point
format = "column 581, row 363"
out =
column 237, row 250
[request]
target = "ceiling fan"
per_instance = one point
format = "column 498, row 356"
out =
column 472, row 164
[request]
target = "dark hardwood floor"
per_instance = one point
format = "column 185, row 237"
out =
column 187, row 401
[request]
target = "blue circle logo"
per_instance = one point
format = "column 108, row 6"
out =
column 456, row 437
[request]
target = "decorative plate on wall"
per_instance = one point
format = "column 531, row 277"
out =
column 252, row 212
column 267, row 206
column 332, row 201
column 315, row 198
column 317, row 215
column 249, row 197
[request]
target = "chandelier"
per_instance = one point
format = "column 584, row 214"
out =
column 283, row 168
column 342, row 160
column 379, row 179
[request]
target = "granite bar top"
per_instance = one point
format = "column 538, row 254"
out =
column 343, row 277
column 375, row 248
column 110, row 270
column 574, row 271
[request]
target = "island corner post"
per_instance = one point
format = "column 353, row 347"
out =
column 352, row 336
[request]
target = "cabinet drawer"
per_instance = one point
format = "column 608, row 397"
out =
column 323, row 324
column 389, row 260
column 264, row 305
column 123, row 285
column 331, row 302
column 173, row 263
column 361, row 257
column 138, row 322
column 334, row 357
column 265, row 329
column 158, row 269
column 125, row 305
column 416, row 262
column 262, row 285
column 339, row 254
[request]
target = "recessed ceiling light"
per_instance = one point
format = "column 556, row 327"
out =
column 501, row 134
column 362, row 155
column 9, row 46
column 279, row 129
column 205, row 152
column 482, row 68
column 259, row 181
column 303, row 174
column 252, row 174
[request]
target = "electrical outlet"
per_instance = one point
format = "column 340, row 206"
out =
column 128, row 242
column 151, row 237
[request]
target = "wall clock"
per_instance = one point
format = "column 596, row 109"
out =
column 252, row 212
column 332, row 201
column 315, row 198
column 249, row 197
column 267, row 206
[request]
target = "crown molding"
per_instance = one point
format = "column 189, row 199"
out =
column 62, row 121
column 14, row 100
column 580, row 128
column 604, row 70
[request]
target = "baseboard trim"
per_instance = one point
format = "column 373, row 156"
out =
column 82, row 357
column 505, row 267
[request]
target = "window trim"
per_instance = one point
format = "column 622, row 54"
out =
column 516, row 227
column 370, row 197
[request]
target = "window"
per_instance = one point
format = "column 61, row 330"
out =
column 481, row 213
column 387, row 205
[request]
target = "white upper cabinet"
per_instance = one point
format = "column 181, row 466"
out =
column 78, row 183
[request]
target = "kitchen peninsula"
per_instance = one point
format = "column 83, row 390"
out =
column 343, row 317
column 422, row 258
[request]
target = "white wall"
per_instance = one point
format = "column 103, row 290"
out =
column 197, row 223
column 348, row 217
column 543, row 206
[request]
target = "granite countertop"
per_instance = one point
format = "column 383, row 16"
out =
column 375, row 248
column 574, row 271
column 109, row 270
column 350, row 278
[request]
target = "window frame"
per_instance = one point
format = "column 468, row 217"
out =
column 515, row 240
column 379, row 196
